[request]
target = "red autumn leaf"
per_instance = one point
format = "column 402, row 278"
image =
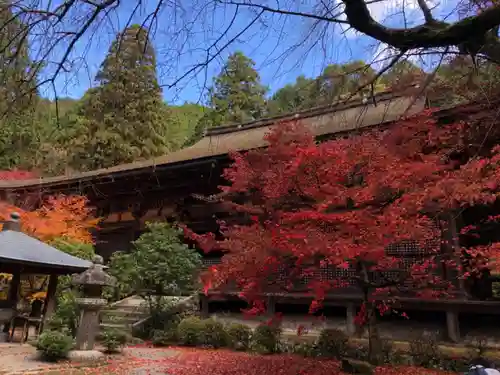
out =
column 59, row 216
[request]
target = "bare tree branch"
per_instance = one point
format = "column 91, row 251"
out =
column 426, row 11
column 264, row 8
column 474, row 30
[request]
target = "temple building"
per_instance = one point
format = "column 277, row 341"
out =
column 178, row 186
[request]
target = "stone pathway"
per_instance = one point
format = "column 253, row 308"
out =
column 149, row 360
column 17, row 358
column 21, row 359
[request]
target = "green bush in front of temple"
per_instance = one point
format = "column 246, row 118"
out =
column 213, row 334
column 159, row 264
column 54, row 345
column 266, row 339
column 189, row 331
column 113, row 340
column 239, row 336
column 158, row 267
column 332, row 343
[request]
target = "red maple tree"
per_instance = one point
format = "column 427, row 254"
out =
column 17, row 174
column 326, row 215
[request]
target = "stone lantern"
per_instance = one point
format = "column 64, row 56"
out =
column 92, row 281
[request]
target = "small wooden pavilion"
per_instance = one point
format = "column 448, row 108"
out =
column 22, row 254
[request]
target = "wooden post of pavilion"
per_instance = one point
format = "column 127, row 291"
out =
column 7, row 313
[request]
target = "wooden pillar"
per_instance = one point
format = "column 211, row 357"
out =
column 13, row 296
column 271, row 306
column 453, row 325
column 204, row 306
column 50, row 301
column 14, row 288
column 350, row 315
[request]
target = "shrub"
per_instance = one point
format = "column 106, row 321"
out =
column 400, row 357
column 266, row 339
column 355, row 366
column 425, row 351
column 213, row 334
column 159, row 261
column 54, row 345
column 478, row 347
column 164, row 337
column 161, row 326
column 113, row 340
column 382, row 351
column 56, row 323
column 305, row 349
column 239, row 336
column 189, row 331
column 455, row 365
column 67, row 313
column 357, row 351
column 332, row 343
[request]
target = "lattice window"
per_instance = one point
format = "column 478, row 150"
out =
column 305, row 279
column 282, row 273
column 336, row 273
column 405, row 248
column 328, row 273
column 208, row 262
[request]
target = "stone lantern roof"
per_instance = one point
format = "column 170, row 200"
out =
column 94, row 275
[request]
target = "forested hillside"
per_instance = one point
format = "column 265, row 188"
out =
column 123, row 117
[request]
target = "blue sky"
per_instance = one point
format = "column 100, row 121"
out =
column 282, row 47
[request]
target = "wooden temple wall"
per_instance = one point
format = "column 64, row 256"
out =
column 119, row 229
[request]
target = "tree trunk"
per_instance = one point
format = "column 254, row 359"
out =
column 373, row 336
column 370, row 315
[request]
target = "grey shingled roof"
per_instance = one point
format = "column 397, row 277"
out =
column 17, row 247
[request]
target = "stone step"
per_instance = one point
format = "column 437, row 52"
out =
column 122, row 315
column 126, row 310
column 120, row 327
column 121, row 320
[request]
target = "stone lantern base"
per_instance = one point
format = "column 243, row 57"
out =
column 87, row 356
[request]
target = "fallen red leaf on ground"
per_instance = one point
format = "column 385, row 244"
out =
column 224, row 362
column 221, row 362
